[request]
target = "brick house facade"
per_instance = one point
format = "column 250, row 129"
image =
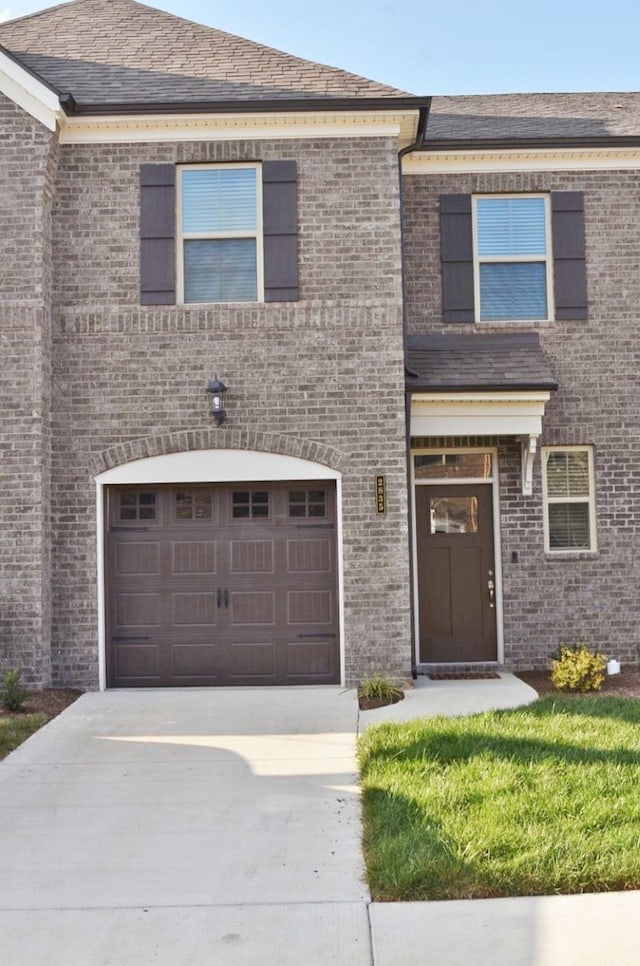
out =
column 303, row 539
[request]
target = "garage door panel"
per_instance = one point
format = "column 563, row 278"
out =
column 138, row 610
column 252, row 557
column 194, row 610
column 309, row 607
column 253, row 659
column 309, row 658
column 137, row 559
column 252, row 608
column 194, row 557
column 136, row 661
column 194, row 660
column 225, row 583
column 309, row 556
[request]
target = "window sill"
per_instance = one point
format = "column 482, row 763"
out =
column 565, row 555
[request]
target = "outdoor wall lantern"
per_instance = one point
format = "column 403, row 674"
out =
column 217, row 391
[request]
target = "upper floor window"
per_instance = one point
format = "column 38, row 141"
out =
column 512, row 257
column 568, row 493
column 220, row 245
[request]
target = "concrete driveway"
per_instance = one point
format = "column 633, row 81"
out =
column 185, row 827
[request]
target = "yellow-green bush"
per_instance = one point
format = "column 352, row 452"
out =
column 577, row 668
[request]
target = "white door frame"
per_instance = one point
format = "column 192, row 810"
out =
column 209, row 466
column 495, row 485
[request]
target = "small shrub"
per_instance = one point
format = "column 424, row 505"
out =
column 379, row 688
column 577, row 668
column 13, row 694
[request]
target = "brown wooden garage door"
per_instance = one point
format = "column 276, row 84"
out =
column 233, row 584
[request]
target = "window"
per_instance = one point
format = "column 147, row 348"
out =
column 307, row 503
column 218, row 232
column 137, row 506
column 220, row 254
column 568, row 493
column 250, row 504
column 512, row 264
column 507, row 257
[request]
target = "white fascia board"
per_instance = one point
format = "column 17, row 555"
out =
column 529, row 159
column 230, row 127
column 29, row 93
column 475, row 414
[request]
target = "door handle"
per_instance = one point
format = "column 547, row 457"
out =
column 491, row 587
column 226, row 598
column 219, row 598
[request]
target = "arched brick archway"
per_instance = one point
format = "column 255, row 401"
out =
column 219, row 438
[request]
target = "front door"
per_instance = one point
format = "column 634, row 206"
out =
column 456, row 573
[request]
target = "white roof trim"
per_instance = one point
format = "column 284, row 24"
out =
column 227, row 127
column 478, row 413
column 29, row 93
column 529, row 159
column 484, row 414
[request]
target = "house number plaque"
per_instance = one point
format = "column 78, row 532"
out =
column 381, row 494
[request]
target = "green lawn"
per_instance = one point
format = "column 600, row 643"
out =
column 13, row 731
column 536, row 801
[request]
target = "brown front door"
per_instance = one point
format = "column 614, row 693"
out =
column 233, row 584
column 456, row 574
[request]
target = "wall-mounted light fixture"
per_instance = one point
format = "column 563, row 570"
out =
column 217, row 392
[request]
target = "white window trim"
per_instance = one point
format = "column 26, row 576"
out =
column 502, row 259
column 549, row 500
column 258, row 234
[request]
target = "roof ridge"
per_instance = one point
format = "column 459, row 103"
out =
column 38, row 13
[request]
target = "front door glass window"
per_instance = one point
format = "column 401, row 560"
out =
column 453, row 514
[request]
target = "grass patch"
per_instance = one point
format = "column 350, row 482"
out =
column 539, row 800
column 13, row 731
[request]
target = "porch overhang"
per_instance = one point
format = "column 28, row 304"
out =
column 484, row 413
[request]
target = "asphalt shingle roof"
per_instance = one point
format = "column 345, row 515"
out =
column 482, row 361
column 533, row 116
column 121, row 51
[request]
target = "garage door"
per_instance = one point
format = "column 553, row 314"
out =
column 222, row 585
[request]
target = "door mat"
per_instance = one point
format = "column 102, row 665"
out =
column 463, row 676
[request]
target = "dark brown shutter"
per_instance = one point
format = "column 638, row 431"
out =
column 280, row 230
column 456, row 240
column 157, row 234
column 569, row 265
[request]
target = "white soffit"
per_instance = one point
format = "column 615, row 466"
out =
column 529, row 159
column 216, row 466
column 229, row 127
column 29, row 93
column 478, row 413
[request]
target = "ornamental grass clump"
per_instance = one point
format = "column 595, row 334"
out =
column 378, row 691
column 12, row 694
column 577, row 668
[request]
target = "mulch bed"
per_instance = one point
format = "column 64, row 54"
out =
column 370, row 704
column 49, row 701
column 626, row 684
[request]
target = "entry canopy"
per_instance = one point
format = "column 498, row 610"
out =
column 480, row 385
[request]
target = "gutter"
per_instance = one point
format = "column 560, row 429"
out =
column 417, row 145
column 513, row 143
column 251, row 106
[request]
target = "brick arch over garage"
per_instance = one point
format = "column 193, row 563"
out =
column 218, row 438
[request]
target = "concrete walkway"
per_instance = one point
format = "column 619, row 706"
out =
column 184, row 828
